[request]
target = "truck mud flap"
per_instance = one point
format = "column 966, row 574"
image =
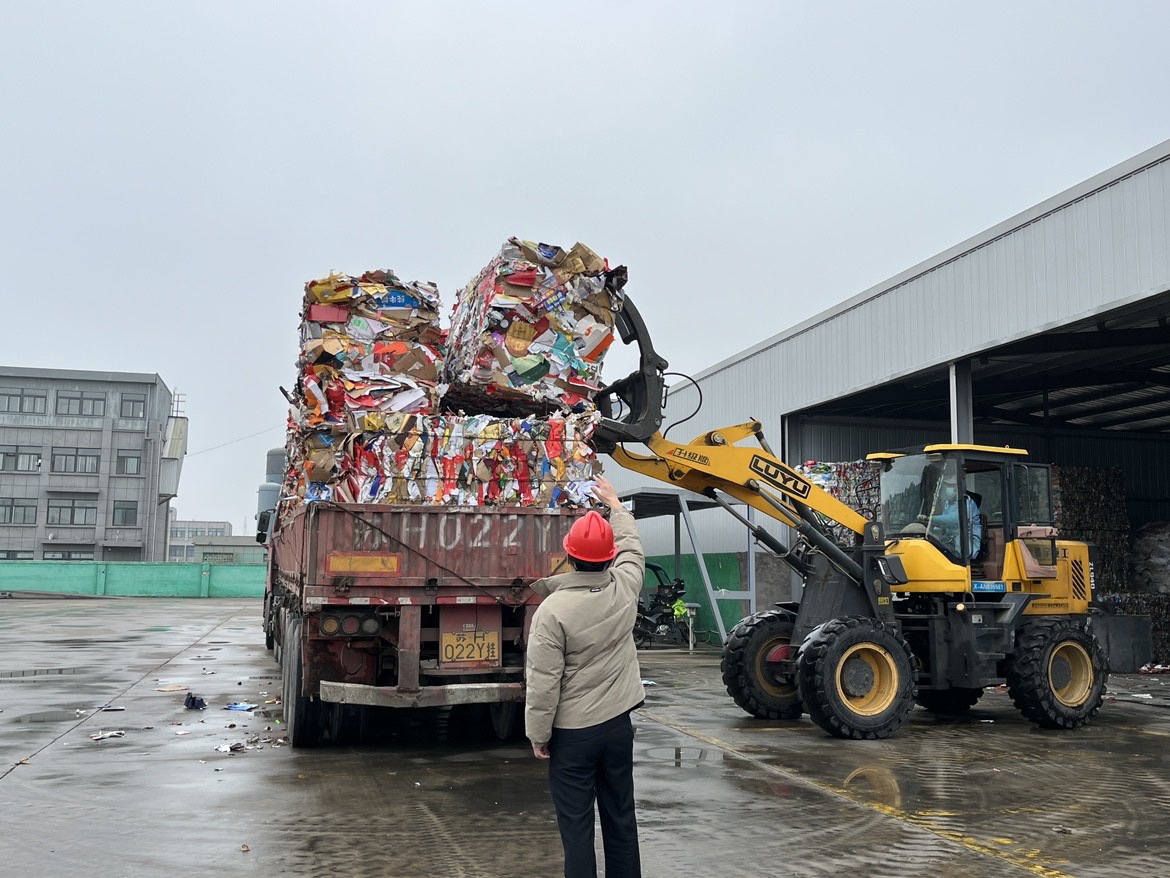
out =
column 426, row 696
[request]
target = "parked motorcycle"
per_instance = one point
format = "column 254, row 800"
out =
column 664, row 617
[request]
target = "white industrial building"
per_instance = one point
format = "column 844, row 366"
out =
column 1047, row 332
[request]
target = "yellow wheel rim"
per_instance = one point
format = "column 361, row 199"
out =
column 766, row 677
column 867, row 679
column 1070, row 673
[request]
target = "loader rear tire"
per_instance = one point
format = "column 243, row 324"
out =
column 304, row 717
column 752, row 681
column 953, row 701
column 856, row 678
column 1058, row 673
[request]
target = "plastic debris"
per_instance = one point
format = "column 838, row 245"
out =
column 102, row 735
column 649, row 683
column 194, row 702
column 235, row 705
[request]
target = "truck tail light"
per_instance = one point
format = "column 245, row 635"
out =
column 342, row 624
column 330, row 625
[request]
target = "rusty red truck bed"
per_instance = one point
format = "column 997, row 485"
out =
column 404, row 606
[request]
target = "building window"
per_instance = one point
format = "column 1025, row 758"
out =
column 129, row 463
column 28, row 402
column 125, row 513
column 133, row 405
column 75, row 460
column 68, row 556
column 15, row 555
column 75, row 402
column 177, row 533
column 190, row 551
column 20, row 458
column 72, row 512
column 216, row 532
column 17, row 511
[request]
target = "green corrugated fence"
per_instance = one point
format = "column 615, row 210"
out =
column 723, row 568
column 134, row 579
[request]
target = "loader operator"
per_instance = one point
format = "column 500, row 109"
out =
column 583, row 681
column 945, row 524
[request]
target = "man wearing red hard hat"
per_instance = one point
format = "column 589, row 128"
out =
column 582, row 682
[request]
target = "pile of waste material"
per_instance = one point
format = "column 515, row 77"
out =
column 379, row 414
column 370, row 346
column 529, row 333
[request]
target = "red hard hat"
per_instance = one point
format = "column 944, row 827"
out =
column 590, row 539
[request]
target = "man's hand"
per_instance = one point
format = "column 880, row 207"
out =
column 540, row 751
column 605, row 493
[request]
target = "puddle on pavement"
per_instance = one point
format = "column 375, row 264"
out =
column 52, row 716
column 9, row 676
column 680, row 756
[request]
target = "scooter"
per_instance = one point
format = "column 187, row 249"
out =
column 664, row 618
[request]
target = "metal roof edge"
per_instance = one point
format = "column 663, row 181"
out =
column 1152, row 156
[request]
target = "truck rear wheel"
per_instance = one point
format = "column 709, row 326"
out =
column 856, row 678
column 507, row 720
column 749, row 671
column 269, row 639
column 347, row 722
column 1058, row 673
column 303, row 716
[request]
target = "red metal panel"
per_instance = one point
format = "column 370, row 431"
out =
column 409, row 640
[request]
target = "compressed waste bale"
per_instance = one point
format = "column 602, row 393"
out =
column 448, row 460
column 529, row 333
column 855, row 483
column 370, row 346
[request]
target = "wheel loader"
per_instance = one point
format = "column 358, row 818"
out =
column 960, row 585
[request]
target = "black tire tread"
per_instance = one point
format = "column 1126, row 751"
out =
column 816, row 651
column 737, row 665
column 1027, row 681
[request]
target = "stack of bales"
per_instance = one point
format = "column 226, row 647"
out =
column 374, row 421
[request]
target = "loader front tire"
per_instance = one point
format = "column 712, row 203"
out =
column 752, row 680
column 856, row 678
column 1057, row 676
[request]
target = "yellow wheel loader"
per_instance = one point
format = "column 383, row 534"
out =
column 962, row 584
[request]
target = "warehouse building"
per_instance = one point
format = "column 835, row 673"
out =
column 89, row 462
column 1047, row 332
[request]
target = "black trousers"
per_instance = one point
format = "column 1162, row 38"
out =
column 596, row 764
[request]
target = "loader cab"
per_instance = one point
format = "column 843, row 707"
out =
column 967, row 501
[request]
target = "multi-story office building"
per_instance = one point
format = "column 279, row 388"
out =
column 89, row 462
column 211, row 542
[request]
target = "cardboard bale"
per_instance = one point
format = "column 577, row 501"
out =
column 529, row 333
column 369, row 345
column 448, row 460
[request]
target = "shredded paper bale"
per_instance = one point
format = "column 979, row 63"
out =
column 530, row 332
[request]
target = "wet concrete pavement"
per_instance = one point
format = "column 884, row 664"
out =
column 432, row 794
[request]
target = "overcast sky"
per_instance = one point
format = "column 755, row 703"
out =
column 172, row 173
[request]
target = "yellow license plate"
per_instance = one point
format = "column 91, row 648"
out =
column 471, row 646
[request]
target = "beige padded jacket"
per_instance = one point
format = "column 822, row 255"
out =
column 581, row 665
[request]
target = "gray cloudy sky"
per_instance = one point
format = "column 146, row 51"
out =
column 171, row 173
